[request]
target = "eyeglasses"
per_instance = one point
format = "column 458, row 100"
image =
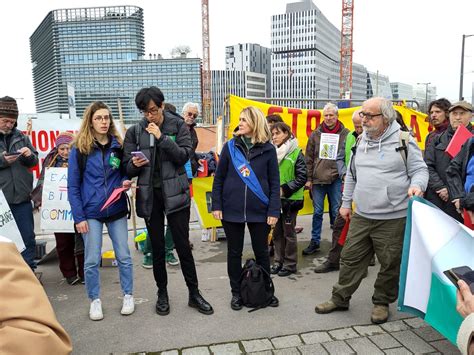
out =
column 190, row 114
column 101, row 118
column 369, row 116
column 153, row 111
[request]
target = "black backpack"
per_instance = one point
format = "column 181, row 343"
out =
column 256, row 286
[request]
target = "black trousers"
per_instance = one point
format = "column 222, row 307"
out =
column 235, row 244
column 178, row 223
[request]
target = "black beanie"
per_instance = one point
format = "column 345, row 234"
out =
column 8, row 107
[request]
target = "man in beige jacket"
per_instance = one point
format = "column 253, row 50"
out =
column 27, row 321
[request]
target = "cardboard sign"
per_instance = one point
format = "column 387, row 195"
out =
column 8, row 227
column 56, row 214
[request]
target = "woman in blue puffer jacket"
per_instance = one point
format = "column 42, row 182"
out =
column 93, row 174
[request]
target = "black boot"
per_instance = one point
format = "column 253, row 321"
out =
column 312, row 248
column 162, row 305
column 197, row 301
column 236, row 303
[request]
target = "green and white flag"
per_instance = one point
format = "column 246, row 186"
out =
column 434, row 242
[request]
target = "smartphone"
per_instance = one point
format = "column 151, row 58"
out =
column 11, row 154
column 139, row 155
column 461, row 273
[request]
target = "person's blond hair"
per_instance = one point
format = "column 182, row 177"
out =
column 257, row 123
column 85, row 137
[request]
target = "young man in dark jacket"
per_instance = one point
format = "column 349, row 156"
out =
column 17, row 156
column 163, row 189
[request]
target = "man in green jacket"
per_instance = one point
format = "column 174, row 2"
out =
column 332, row 262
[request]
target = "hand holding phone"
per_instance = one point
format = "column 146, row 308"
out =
column 461, row 273
column 12, row 154
column 139, row 159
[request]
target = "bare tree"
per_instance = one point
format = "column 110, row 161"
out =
column 180, row 51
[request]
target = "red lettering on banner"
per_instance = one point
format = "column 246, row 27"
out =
column 312, row 114
column 36, row 171
column 52, row 137
column 415, row 128
column 294, row 122
column 274, row 109
column 43, row 141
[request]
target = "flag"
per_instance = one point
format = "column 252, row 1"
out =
column 434, row 242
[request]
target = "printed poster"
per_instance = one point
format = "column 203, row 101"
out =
column 328, row 146
column 8, row 227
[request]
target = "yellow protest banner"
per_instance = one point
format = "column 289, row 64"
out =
column 303, row 122
column 202, row 188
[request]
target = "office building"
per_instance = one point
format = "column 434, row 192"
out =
column 84, row 54
column 250, row 57
column 245, row 84
column 401, row 91
column 378, row 85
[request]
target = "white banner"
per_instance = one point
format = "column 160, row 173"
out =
column 55, row 213
column 8, row 227
column 71, row 100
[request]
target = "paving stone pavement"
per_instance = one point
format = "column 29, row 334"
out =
column 408, row 336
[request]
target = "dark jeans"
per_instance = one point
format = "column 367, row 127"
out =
column 23, row 214
column 284, row 239
column 66, row 248
column 235, row 244
column 178, row 223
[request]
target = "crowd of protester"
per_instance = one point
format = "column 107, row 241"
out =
column 259, row 182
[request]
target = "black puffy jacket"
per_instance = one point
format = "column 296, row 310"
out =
column 174, row 149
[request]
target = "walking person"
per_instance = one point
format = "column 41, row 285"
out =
column 292, row 169
column 246, row 191
column 94, row 171
column 164, row 143
column 69, row 246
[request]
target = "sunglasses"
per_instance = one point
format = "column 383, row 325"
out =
column 190, row 114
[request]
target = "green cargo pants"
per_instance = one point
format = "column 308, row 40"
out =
column 366, row 236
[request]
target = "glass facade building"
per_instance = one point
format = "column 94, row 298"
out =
column 100, row 53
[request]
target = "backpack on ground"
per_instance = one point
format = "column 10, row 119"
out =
column 256, row 286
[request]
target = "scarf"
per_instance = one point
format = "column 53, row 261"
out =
column 286, row 148
column 335, row 129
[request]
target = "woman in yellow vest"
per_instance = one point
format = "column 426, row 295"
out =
column 292, row 179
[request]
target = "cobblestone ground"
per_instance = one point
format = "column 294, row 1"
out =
column 408, row 336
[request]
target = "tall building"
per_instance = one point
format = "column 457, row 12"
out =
column 250, row 57
column 359, row 82
column 306, row 54
column 378, row 85
column 98, row 54
column 424, row 94
column 401, row 91
column 240, row 83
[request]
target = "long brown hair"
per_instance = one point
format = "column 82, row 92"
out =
column 85, row 138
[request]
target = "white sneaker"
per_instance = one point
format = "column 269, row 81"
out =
column 128, row 306
column 95, row 312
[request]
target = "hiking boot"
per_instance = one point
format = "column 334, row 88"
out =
column 128, row 306
column 95, row 311
column 328, row 307
column 197, row 301
column 147, row 261
column 171, row 260
column 274, row 302
column 72, row 280
column 312, row 248
column 162, row 304
column 326, row 267
column 275, row 268
column 236, row 303
column 379, row 314
column 285, row 272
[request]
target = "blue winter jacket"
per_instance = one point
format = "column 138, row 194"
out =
column 99, row 179
column 230, row 194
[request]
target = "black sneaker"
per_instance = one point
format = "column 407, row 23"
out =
column 236, row 303
column 275, row 268
column 274, row 302
column 285, row 272
column 72, row 280
column 312, row 248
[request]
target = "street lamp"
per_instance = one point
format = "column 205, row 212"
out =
column 426, row 95
column 462, row 66
column 328, row 88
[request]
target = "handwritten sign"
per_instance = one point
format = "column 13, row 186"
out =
column 56, row 214
column 8, row 227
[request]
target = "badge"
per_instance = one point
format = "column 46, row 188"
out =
column 244, row 171
column 114, row 162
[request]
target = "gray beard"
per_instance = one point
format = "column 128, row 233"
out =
column 6, row 132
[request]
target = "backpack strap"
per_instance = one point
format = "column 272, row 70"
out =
column 352, row 163
column 404, row 140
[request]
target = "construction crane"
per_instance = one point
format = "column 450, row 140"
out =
column 206, row 66
column 345, row 71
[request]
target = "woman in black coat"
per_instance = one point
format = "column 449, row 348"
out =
column 237, row 204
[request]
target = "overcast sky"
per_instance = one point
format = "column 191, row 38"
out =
column 410, row 41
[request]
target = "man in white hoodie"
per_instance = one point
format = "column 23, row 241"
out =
column 380, row 183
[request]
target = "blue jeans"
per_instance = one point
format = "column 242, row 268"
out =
column 23, row 214
column 333, row 191
column 118, row 233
